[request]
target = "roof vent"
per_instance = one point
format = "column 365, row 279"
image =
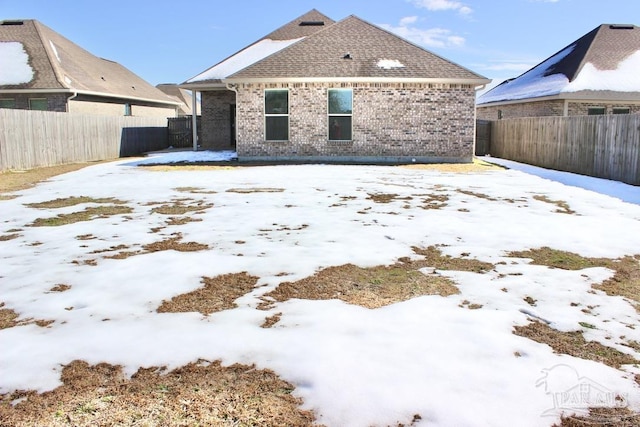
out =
column 347, row 56
column 12, row 23
column 312, row 23
column 621, row 27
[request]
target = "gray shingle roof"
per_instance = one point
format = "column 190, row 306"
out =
column 604, row 48
column 354, row 48
column 58, row 63
column 301, row 26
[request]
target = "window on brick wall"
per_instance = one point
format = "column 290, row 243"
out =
column 276, row 114
column 621, row 110
column 7, row 103
column 340, row 112
column 38, row 104
column 596, row 111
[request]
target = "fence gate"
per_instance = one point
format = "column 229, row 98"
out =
column 180, row 131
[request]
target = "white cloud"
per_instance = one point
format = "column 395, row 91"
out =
column 438, row 5
column 432, row 37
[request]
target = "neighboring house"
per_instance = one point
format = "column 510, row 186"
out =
column 42, row 70
column 182, row 96
column 597, row 74
column 348, row 91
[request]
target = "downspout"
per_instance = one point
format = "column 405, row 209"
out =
column 234, row 89
column 194, row 118
column 69, row 99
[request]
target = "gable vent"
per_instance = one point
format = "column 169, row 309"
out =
column 12, row 23
column 312, row 23
column 621, row 27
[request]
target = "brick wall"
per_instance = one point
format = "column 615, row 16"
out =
column 391, row 122
column 546, row 108
column 55, row 102
column 526, row 109
column 215, row 132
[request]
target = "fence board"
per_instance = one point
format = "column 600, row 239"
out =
column 600, row 146
column 30, row 139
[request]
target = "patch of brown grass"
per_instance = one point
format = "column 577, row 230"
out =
column 271, row 320
column 21, row 180
column 433, row 257
column 435, row 201
column 197, row 394
column 175, row 244
column 60, row 287
column 194, row 190
column 87, row 214
column 179, row 207
column 372, row 287
column 574, row 344
column 7, row 237
column 217, row 294
column 386, row 197
column 72, row 201
column 477, row 166
column 625, row 282
column 563, row 207
column 8, row 319
column 602, row 417
column 250, row 190
column 478, row 195
column 181, row 220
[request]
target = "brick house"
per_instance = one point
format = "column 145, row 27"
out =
column 42, row 70
column 347, row 91
column 596, row 74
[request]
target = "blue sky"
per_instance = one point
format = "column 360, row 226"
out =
column 171, row 41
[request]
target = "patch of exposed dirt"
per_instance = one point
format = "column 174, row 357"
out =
column 218, row 293
column 574, row 344
column 60, row 287
column 602, row 417
column 198, row 394
column 7, row 237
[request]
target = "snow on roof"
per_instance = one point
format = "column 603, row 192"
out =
column 15, row 68
column 531, row 84
column 243, row 59
column 389, row 64
column 534, row 83
column 622, row 79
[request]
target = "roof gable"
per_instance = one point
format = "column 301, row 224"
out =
column 605, row 60
column 292, row 32
column 353, row 48
column 58, row 63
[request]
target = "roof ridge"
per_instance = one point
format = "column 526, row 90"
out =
column 47, row 48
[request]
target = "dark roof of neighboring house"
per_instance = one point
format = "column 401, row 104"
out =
column 58, row 63
column 571, row 70
column 180, row 95
column 351, row 48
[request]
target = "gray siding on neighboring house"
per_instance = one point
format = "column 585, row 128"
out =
column 392, row 122
column 215, row 132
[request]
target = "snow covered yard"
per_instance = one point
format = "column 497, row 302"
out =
column 377, row 295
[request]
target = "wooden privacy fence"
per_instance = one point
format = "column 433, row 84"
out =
column 600, row 146
column 30, row 139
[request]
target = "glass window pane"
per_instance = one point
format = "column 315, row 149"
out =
column 276, row 102
column 621, row 111
column 38, row 104
column 340, row 128
column 340, row 101
column 277, row 128
column 7, row 103
column 596, row 111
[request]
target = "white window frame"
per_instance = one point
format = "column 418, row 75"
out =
column 264, row 107
column 329, row 115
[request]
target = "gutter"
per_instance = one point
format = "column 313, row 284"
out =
column 90, row 93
